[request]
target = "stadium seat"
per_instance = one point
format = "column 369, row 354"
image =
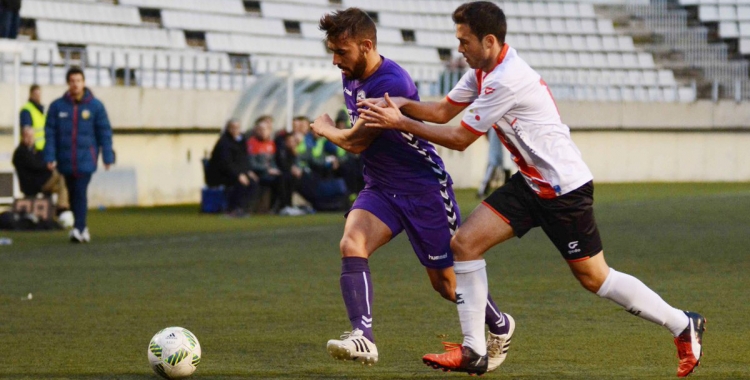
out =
column 213, row 6
column 222, row 23
column 80, row 12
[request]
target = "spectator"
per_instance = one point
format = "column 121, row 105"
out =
column 76, row 131
column 494, row 165
column 33, row 174
column 262, row 153
column 295, row 177
column 10, row 18
column 301, row 125
column 32, row 115
column 229, row 166
column 350, row 168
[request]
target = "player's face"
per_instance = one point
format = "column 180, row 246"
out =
column 471, row 47
column 348, row 56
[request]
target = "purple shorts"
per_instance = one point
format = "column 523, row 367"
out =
column 429, row 219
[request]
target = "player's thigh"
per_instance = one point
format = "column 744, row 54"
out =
column 482, row 230
column 569, row 222
column 430, row 220
column 371, row 222
column 363, row 234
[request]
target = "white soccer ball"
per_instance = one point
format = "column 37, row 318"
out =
column 174, row 353
column 66, row 219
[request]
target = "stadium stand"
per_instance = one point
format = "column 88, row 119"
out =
column 709, row 38
column 196, row 44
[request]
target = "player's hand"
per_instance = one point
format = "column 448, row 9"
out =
column 321, row 124
column 388, row 117
column 107, row 166
column 52, row 165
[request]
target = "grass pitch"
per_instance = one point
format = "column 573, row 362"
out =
column 262, row 294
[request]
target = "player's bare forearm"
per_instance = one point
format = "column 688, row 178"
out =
column 435, row 112
column 456, row 138
column 389, row 116
column 353, row 140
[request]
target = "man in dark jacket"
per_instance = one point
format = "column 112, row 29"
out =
column 10, row 18
column 33, row 174
column 76, row 131
column 229, row 166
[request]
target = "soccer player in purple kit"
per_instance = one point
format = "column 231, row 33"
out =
column 407, row 189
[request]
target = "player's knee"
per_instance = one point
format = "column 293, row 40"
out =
column 590, row 282
column 462, row 248
column 350, row 248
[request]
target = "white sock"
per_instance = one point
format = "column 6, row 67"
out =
column 471, row 291
column 632, row 294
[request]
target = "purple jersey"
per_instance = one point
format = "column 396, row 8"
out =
column 395, row 162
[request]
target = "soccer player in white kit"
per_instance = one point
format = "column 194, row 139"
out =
column 552, row 190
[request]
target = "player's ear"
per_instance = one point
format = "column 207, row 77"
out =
column 488, row 41
column 365, row 46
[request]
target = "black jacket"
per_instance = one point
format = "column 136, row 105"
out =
column 228, row 160
column 13, row 5
column 31, row 168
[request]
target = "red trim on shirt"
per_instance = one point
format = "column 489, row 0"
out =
column 455, row 103
column 529, row 171
column 470, row 128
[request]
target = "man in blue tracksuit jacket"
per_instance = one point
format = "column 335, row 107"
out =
column 77, row 130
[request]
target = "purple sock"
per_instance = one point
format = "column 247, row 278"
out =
column 356, row 287
column 495, row 319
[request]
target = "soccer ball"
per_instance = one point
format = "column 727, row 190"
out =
column 66, row 219
column 174, row 353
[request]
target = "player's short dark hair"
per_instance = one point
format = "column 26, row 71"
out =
column 349, row 23
column 73, row 71
column 483, row 18
column 301, row 118
column 33, row 88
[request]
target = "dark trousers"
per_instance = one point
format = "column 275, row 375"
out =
column 9, row 23
column 238, row 196
column 78, row 186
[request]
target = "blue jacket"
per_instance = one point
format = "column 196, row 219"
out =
column 76, row 132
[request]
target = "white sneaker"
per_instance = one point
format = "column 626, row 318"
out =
column 353, row 346
column 498, row 345
column 75, row 236
column 86, row 235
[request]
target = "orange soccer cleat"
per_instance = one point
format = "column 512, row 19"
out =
column 457, row 358
column 690, row 344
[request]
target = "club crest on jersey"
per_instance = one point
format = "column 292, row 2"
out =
column 361, row 95
column 85, row 114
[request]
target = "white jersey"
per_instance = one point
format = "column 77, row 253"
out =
column 514, row 100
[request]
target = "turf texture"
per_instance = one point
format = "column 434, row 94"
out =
column 262, row 294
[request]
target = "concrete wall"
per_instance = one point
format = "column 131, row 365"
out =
column 621, row 142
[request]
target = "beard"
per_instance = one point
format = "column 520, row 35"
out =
column 358, row 70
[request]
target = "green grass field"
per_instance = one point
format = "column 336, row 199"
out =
column 262, row 294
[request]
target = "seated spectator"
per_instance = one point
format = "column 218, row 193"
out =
column 229, row 166
column 350, row 167
column 294, row 176
column 262, row 153
column 33, row 174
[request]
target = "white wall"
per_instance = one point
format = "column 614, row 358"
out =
column 621, row 142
